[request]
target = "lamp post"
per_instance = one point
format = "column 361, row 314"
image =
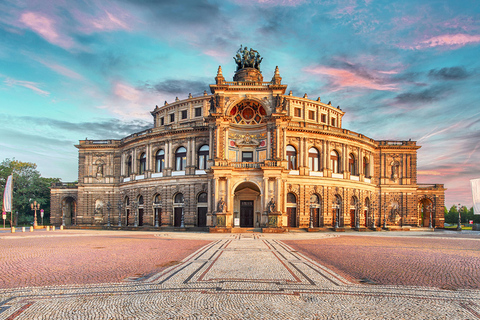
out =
column 135, row 206
column 336, row 205
column 311, row 217
column 35, row 206
column 430, row 209
column 182, row 221
column 119, row 206
column 373, row 205
column 384, row 208
column 358, row 208
column 459, row 227
column 109, row 207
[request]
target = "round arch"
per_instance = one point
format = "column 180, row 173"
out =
column 69, row 210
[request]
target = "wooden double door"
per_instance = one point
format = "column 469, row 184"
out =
column 246, row 213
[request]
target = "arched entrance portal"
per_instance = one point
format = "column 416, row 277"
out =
column 69, row 209
column 425, row 205
column 246, row 205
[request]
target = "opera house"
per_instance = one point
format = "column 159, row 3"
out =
column 247, row 155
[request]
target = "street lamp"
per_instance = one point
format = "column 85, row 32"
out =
column 459, row 227
column 109, row 207
column 311, row 217
column 119, row 206
column 384, row 208
column 358, row 208
column 135, row 206
column 336, row 204
column 35, row 206
column 373, row 206
column 430, row 208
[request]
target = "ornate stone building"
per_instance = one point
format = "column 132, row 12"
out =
column 247, row 155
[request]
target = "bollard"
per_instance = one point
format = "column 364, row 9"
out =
column 23, row 229
column 48, row 228
column 61, row 227
column 31, row 229
column 53, row 228
column 13, row 229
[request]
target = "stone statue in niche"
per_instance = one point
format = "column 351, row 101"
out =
column 271, row 206
column 284, row 104
column 213, row 108
column 395, row 170
column 221, row 206
column 99, row 170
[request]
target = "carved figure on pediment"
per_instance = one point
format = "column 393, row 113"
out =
column 99, row 170
column 278, row 101
column 213, row 107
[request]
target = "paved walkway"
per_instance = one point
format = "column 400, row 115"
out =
column 240, row 276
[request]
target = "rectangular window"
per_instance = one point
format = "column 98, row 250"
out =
column 324, row 118
column 198, row 112
column 184, row 114
column 172, row 117
column 298, row 112
column 247, row 156
column 162, row 121
column 333, row 122
column 311, row 115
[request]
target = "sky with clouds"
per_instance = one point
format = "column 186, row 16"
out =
column 96, row 68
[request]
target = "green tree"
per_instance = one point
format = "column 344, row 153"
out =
column 28, row 186
column 452, row 215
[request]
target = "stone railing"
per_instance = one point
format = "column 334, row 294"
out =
column 64, row 185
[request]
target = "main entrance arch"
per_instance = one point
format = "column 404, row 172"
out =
column 69, row 210
column 247, row 204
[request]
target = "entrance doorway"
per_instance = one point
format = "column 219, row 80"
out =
column 140, row 217
column 246, row 214
column 202, row 216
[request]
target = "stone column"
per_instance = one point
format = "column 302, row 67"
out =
column 269, row 151
column 284, row 156
column 210, row 144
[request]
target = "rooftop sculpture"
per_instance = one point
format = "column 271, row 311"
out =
column 247, row 58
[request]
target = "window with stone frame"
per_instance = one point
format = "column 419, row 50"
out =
column 324, row 118
column 203, row 157
column 352, row 164
column 333, row 122
column 314, row 159
column 160, row 161
column 198, row 112
column 291, row 157
column 334, row 161
column 298, row 112
column 180, row 159
column 172, row 117
column 311, row 115
column 143, row 163
column 184, row 114
column 366, row 167
column 162, row 121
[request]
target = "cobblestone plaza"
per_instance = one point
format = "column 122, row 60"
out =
column 157, row 275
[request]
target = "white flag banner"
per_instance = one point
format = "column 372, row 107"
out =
column 476, row 195
column 7, row 195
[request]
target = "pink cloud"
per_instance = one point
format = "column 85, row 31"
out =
column 26, row 84
column 45, row 27
column 126, row 92
column 345, row 78
column 105, row 21
column 62, row 70
column 452, row 40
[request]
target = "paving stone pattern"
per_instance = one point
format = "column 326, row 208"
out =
column 434, row 262
column 237, row 277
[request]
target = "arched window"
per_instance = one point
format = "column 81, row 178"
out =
column 143, row 163
column 366, row 167
column 334, row 161
column 313, row 159
column 140, row 200
column 127, row 201
column 291, row 158
column 202, row 197
column 180, row 159
column 352, row 165
column 314, row 199
column 178, row 198
column 160, row 161
column 291, row 198
column 203, row 157
column 129, row 165
column 157, row 199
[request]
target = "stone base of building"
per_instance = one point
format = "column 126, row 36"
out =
column 273, row 230
column 398, row 228
column 339, row 229
column 317, row 229
column 361, row 229
column 376, row 229
column 219, row 230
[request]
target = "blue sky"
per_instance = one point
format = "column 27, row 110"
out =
column 400, row 70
